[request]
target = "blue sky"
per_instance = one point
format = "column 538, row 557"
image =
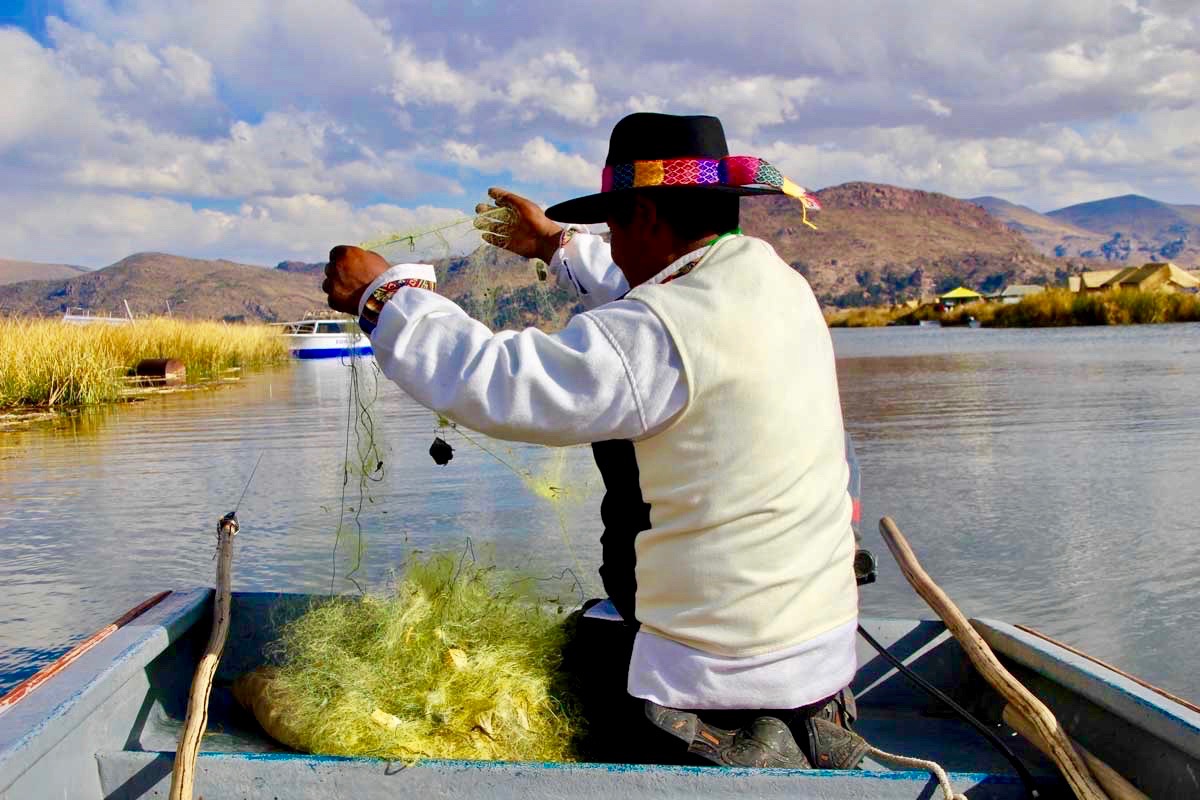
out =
column 260, row 130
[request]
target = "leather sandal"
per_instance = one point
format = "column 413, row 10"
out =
column 766, row 742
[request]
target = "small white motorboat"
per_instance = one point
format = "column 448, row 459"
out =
column 325, row 338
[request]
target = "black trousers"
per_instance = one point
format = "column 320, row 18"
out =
column 596, row 662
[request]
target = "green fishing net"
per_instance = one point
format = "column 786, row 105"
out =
column 459, row 661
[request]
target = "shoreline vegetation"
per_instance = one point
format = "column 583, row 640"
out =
column 1048, row 309
column 46, row 365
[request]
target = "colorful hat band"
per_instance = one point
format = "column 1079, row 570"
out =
column 735, row 171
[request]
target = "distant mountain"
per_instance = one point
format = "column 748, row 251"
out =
column 302, row 267
column 878, row 243
column 1125, row 230
column 17, row 271
column 153, row 283
column 874, row 243
column 1026, row 221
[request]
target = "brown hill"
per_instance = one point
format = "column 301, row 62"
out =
column 1049, row 236
column 874, row 243
column 503, row 290
column 17, row 271
column 492, row 285
column 1138, row 229
column 152, row 283
column 1123, row 230
column 304, row 267
column 877, row 243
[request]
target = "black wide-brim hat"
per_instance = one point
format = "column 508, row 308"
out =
column 653, row 151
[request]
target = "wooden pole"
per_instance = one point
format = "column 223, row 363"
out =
column 183, row 776
column 1113, row 782
column 1024, row 703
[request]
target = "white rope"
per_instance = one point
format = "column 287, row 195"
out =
column 918, row 763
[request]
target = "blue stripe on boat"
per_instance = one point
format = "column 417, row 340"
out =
column 332, row 352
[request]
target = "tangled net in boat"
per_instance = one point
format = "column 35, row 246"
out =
column 460, row 661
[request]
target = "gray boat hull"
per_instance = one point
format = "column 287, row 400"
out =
column 105, row 726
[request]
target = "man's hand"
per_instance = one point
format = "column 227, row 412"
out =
column 524, row 230
column 348, row 274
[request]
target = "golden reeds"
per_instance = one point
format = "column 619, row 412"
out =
column 1048, row 309
column 48, row 363
column 866, row 317
column 1056, row 307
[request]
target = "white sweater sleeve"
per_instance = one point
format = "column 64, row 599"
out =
column 584, row 267
column 612, row 373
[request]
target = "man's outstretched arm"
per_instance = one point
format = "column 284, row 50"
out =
column 613, row 373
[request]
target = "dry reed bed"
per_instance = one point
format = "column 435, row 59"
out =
column 47, row 363
column 1059, row 307
column 1052, row 308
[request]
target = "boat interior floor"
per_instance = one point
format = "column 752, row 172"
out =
column 947, row 740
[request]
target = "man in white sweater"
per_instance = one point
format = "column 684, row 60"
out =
column 702, row 373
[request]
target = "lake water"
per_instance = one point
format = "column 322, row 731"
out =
column 1046, row 477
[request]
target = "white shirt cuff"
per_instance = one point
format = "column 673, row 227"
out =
column 398, row 272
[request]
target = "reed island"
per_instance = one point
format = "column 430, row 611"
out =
column 46, row 364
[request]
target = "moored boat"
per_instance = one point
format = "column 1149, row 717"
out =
column 103, row 723
column 325, row 338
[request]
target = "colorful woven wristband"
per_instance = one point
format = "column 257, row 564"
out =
column 369, row 318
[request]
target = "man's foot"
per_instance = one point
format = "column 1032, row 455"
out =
column 766, row 742
column 827, row 738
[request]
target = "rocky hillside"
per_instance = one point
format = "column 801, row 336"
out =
column 17, row 271
column 1121, row 230
column 301, row 267
column 874, row 244
column 153, row 282
column 491, row 284
column 877, row 243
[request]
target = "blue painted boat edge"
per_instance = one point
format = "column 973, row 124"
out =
column 331, row 352
column 35, row 725
column 370, row 778
column 1110, row 690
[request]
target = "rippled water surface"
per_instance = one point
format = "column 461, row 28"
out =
column 1046, row 477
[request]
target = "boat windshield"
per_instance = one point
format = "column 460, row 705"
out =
column 336, row 326
column 311, row 326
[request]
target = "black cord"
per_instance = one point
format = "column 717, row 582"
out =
column 987, row 732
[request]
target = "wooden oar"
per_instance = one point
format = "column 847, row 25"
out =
column 183, row 776
column 1113, row 782
column 1021, row 699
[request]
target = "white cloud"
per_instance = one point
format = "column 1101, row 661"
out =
column 1051, row 167
column 316, row 109
column 98, row 229
column 283, row 154
column 433, row 81
column 537, row 161
column 746, row 104
column 171, row 87
column 554, row 83
column 932, row 103
column 646, row 102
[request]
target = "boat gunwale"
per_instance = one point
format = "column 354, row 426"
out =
column 35, row 726
column 1174, row 698
column 22, row 690
column 1136, row 701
